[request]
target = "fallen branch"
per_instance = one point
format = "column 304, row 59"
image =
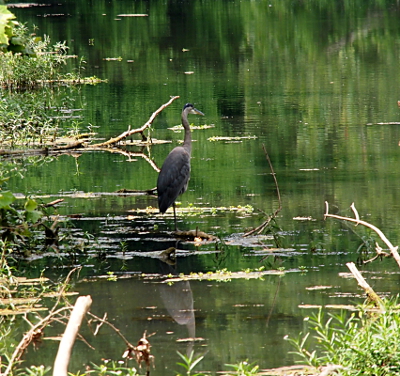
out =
column 81, row 307
column 130, row 132
column 357, row 220
column 192, row 235
column 76, row 146
column 261, row 228
column 371, row 294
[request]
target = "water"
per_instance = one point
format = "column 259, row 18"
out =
column 315, row 83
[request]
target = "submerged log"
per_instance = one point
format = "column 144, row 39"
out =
column 194, row 235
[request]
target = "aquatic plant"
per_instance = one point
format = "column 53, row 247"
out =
column 189, row 362
column 244, row 369
column 364, row 343
column 37, row 63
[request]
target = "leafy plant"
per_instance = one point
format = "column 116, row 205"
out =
column 244, row 369
column 365, row 343
column 110, row 367
column 36, row 63
column 189, row 362
column 6, row 27
column 37, row 370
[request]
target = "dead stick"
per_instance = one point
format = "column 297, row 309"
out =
column 130, row 132
column 391, row 247
column 271, row 217
column 371, row 294
column 27, row 339
column 82, row 305
column 116, row 330
column 98, row 326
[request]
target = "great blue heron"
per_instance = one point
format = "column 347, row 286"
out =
column 174, row 176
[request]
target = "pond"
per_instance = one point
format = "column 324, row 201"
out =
column 316, row 83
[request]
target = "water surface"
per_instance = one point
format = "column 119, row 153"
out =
column 316, row 83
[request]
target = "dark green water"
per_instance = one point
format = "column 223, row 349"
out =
column 316, row 82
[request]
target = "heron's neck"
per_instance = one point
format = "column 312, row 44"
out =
column 187, row 142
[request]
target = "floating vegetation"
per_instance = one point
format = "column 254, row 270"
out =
column 236, row 138
column 20, row 294
column 224, row 275
column 133, row 15
column 192, row 210
column 304, row 219
column 113, row 58
column 179, row 127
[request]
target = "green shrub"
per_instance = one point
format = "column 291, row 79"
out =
column 25, row 59
column 39, row 62
column 366, row 343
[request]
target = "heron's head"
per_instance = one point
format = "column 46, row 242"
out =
column 189, row 108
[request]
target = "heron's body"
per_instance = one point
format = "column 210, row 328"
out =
column 174, row 176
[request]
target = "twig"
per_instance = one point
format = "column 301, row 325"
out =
column 371, row 294
column 28, row 337
column 98, row 326
column 113, row 327
column 260, row 228
column 35, row 329
column 379, row 253
column 64, row 286
column 130, row 132
column 81, row 307
column 357, row 220
column 53, row 203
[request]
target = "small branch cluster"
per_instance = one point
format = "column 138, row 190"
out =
column 371, row 294
column 72, row 317
column 263, row 225
column 393, row 250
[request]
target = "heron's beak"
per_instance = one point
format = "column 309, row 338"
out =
column 195, row 111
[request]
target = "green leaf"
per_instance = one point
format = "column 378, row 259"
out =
column 5, row 17
column 6, row 199
column 30, row 205
column 33, row 216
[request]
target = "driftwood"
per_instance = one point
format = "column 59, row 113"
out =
column 261, row 228
column 81, row 307
column 357, row 220
column 130, row 132
column 371, row 294
column 78, row 145
column 299, row 370
column 194, row 235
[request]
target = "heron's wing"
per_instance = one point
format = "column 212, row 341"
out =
column 173, row 177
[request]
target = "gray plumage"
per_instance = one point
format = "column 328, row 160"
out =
column 174, row 176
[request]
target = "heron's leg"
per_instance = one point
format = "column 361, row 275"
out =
column 176, row 228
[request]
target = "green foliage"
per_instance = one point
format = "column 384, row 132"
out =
column 365, row 343
column 110, row 367
column 17, row 223
column 6, row 26
column 189, row 362
column 21, row 70
column 27, row 60
column 36, row 371
column 244, row 369
column 29, row 118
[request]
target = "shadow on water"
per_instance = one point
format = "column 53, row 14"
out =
column 178, row 300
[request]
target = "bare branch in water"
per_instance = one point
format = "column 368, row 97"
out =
column 261, row 228
column 357, row 221
column 130, row 132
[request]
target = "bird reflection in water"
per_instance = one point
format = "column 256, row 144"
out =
column 178, row 300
